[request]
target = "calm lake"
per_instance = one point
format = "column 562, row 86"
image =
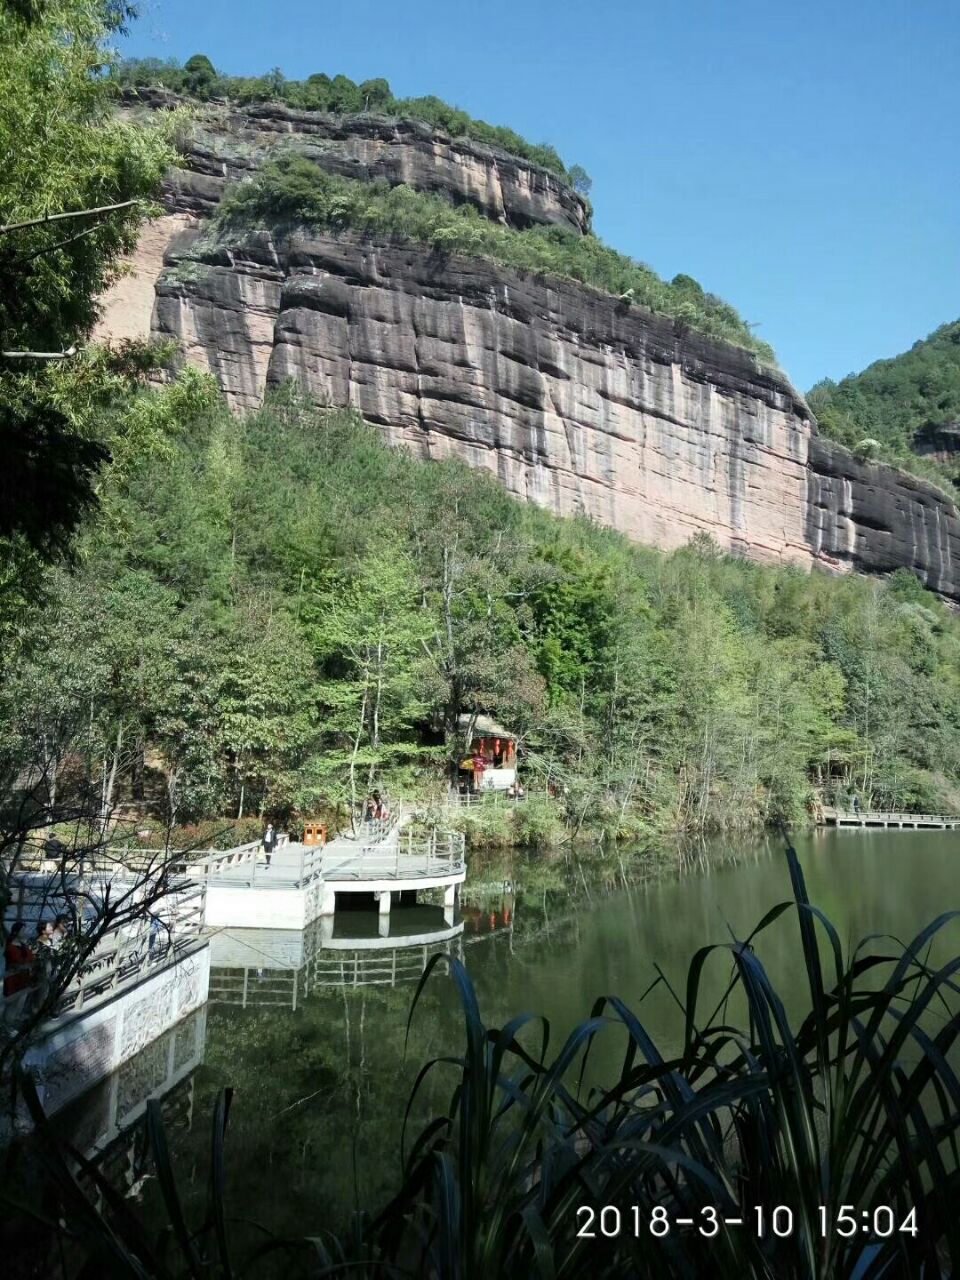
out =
column 321, row 1088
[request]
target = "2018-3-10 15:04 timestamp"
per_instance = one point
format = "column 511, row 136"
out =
column 609, row 1221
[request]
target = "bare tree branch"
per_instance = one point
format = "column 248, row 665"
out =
column 52, row 248
column 40, row 355
column 59, row 217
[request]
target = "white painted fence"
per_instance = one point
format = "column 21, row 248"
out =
column 123, row 958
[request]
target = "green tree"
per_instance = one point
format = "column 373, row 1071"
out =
column 267, row 702
column 376, row 95
column 475, row 589
column 580, row 180
column 199, row 75
column 368, row 635
column 73, row 189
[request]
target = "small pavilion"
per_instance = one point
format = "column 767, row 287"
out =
column 491, row 760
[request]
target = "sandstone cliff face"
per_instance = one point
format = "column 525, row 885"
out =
column 574, row 400
column 231, row 142
column 874, row 518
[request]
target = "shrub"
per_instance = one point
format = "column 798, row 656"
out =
column 536, row 822
column 485, row 826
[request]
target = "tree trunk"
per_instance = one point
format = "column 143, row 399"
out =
column 375, row 709
column 353, row 761
column 172, row 801
column 111, row 781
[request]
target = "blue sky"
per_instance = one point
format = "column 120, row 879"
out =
column 797, row 157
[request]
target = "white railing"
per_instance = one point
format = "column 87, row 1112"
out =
column 123, row 957
column 286, row 987
column 470, row 799
column 379, row 968
column 375, row 830
column 219, row 859
column 890, row 818
column 378, row 851
column 410, row 857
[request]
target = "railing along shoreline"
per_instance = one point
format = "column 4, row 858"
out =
column 122, row 959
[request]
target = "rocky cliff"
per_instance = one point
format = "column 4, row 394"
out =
column 576, row 400
column 874, row 518
column 229, row 142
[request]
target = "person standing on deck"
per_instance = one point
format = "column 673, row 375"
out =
column 269, row 841
column 19, row 960
column 60, row 933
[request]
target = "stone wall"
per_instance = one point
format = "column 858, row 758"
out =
column 76, row 1051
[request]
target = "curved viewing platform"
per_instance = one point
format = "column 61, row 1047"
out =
column 302, row 882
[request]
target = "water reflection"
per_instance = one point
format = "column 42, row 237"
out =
column 311, row 1028
column 265, row 967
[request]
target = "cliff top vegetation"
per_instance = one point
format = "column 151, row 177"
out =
column 898, row 402
column 294, row 190
column 198, row 78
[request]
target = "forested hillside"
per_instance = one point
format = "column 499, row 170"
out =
column 269, row 612
column 207, row 615
column 896, row 407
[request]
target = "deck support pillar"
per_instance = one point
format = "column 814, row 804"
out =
column 384, row 906
column 328, row 900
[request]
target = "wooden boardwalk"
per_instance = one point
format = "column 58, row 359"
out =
column 902, row 821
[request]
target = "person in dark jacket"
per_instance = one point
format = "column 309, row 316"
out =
column 20, row 961
column 269, row 841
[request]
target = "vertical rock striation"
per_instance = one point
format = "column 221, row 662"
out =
column 874, row 519
column 576, row 401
